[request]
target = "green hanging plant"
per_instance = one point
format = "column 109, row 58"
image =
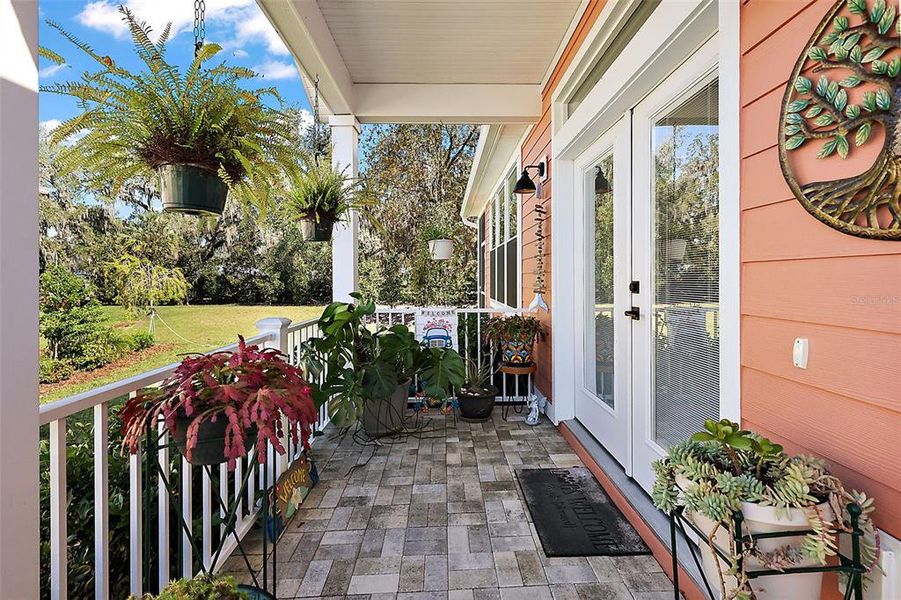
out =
column 133, row 124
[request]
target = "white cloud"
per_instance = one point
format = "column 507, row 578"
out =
column 306, row 120
column 239, row 53
column 257, row 28
column 104, row 15
column 274, row 69
column 50, row 124
column 51, row 70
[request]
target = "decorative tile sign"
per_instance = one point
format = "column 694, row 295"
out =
column 842, row 101
column 290, row 491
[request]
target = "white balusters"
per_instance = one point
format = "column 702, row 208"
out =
column 101, row 501
column 163, row 499
column 58, row 493
column 187, row 513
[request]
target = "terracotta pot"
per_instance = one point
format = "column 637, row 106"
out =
column 441, row 249
column 316, row 231
column 210, row 448
column 192, row 190
column 477, row 407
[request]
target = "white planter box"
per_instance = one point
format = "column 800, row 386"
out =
column 764, row 519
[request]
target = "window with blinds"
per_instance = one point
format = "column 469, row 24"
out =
column 686, row 267
column 504, row 252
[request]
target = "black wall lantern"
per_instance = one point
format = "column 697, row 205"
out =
column 525, row 185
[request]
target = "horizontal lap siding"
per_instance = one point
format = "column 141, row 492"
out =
column 801, row 278
column 536, row 146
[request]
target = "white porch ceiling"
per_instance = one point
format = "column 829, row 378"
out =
column 475, row 61
column 434, row 41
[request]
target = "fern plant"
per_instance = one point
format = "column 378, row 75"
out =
column 322, row 193
column 133, row 123
column 717, row 470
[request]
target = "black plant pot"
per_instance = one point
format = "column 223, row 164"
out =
column 210, row 448
column 192, row 190
column 316, row 231
column 477, row 407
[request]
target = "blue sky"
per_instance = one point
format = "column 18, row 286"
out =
column 239, row 26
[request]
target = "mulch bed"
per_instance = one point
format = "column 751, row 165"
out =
column 125, row 361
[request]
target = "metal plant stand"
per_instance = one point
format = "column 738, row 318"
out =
column 229, row 514
column 851, row 566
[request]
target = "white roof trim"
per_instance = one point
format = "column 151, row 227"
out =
column 497, row 146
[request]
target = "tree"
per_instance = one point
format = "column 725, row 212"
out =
column 418, row 176
column 857, row 90
column 141, row 284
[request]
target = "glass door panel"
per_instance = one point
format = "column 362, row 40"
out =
column 600, row 337
column 686, row 267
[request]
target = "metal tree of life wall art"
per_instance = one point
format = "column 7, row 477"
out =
column 842, row 102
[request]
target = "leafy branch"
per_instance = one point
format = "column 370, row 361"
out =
column 823, row 111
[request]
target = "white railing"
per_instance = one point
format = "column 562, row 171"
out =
column 278, row 333
column 514, row 389
column 275, row 333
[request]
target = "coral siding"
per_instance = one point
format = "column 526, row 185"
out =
column 536, row 146
column 802, row 279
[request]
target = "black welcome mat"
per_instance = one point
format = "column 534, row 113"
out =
column 574, row 516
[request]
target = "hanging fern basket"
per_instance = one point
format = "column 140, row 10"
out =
column 314, row 230
column 192, row 190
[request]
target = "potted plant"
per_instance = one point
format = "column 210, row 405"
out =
column 441, row 247
column 725, row 469
column 515, row 336
column 218, row 405
column 365, row 373
column 476, row 395
column 200, row 131
column 202, row 587
column 320, row 196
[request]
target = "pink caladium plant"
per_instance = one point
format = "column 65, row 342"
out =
column 250, row 386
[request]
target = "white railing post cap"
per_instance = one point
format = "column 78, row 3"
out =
column 273, row 323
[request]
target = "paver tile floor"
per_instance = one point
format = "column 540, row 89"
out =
column 439, row 515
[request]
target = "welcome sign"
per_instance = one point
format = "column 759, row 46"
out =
column 289, row 492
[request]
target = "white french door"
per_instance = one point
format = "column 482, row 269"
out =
column 649, row 368
column 603, row 401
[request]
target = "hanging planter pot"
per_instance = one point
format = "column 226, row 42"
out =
column 192, row 190
column 210, row 448
column 313, row 230
column 441, row 249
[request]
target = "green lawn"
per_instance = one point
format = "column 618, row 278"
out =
column 204, row 328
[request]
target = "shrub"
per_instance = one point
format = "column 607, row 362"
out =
column 140, row 341
column 69, row 315
column 53, row 370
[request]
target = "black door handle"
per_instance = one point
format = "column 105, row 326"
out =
column 634, row 313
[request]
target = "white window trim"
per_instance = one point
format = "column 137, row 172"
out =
column 675, row 29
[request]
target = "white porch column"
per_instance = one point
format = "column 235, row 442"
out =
column 19, row 498
column 345, row 241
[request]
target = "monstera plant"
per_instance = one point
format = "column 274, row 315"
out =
column 843, row 95
column 200, row 131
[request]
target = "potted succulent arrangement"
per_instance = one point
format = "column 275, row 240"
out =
column 202, row 587
column 200, row 131
column 476, row 395
column 218, row 405
column 320, row 196
column 515, row 336
column 365, row 373
column 725, row 469
column 441, row 246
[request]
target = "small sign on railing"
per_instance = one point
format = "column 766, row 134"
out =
column 437, row 326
